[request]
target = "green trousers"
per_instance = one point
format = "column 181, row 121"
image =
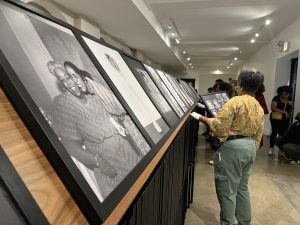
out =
column 232, row 167
column 292, row 150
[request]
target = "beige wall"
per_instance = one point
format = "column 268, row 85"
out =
column 265, row 60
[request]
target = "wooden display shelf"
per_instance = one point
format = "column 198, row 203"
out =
column 42, row 181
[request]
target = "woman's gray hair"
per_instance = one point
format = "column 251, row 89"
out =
column 250, row 80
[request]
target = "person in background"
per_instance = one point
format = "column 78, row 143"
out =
column 209, row 90
column 290, row 143
column 259, row 96
column 281, row 106
column 239, row 125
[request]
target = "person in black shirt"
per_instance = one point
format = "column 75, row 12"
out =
column 290, row 143
column 281, row 107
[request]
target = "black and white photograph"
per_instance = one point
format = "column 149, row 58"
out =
column 130, row 89
column 177, row 89
column 184, row 91
column 215, row 101
column 188, row 89
column 165, row 91
column 172, row 90
column 88, row 119
column 151, row 89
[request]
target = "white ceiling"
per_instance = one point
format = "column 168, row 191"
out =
column 217, row 30
column 212, row 32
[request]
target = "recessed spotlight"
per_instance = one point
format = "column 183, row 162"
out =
column 256, row 34
column 192, row 67
column 190, row 64
column 184, row 52
column 252, row 40
column 173, row 34
column 228, row 67
column 268, row 21
column 235, row 58
column 241, row 52
column 188, row 59
column 177, row 40
column 170, row 26
column 231, row 64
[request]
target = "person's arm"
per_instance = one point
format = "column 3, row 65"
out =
column 90, row 160
column 275, row 109
column 259, row 134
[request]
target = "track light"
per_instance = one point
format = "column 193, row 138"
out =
column 252, row 40
column 170, row 26
column 268, row 21
column 177, row 40
column 188, row 59
column 228, row 67
column 173, row 34
column 184, row 52
column 235, row 58
column 256, row 34
column 192, row 67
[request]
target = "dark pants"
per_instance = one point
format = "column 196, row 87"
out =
column 278, row 127
column 291, row 150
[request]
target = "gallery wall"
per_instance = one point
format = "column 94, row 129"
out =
column 265, row 60
column 87, row 25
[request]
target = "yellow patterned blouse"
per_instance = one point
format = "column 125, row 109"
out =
column 242, row 115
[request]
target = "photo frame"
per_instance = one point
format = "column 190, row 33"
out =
column 151, row 89
column 164, row 90
column 17, row 205
column 23, row 76
column 170, row 87
column 119, row 75
column 214, row 101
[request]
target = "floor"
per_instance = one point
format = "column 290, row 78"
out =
column 274, row 189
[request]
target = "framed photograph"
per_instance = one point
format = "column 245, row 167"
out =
column 188, row 90
column 129, row 88
column 17, row 206
column 183, row 91
column 150, row 88
column 214, row 101
column 176, row 87
column 96, row 147
column 164, row 90
column 165, row 80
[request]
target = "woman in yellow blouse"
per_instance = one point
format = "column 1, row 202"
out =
column 239, row 126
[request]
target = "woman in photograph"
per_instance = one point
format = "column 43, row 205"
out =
column 89, row 133
column 112, row 106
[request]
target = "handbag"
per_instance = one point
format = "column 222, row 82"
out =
column 277, row 115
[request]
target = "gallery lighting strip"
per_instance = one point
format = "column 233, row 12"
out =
column 267, row 22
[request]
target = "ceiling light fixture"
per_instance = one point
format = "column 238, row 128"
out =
column 252, row 40
column 177, row 40
column 256, row 34
column 268, row 21
column 184, row 52
column 228, row 67
column 231, row 64
column 235, row 58
column 170, row 26
column 188, row 59
column 241, row 52
column 192, row 67
column 173, row 34
column 190, row 64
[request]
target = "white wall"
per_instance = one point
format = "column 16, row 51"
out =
column 204, row 81
column 265, row 60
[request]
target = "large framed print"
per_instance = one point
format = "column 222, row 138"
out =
column 150, row 88
column 214, row 101
column 129, row 88
column 186, row 90
column 164, row 90
column 95, row 146
column 172, row 90
column 177, row 89
column 183, row 91
column 17, row 206
column 191, row 90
